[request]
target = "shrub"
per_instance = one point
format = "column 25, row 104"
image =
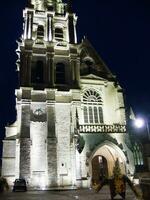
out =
column 3, row 184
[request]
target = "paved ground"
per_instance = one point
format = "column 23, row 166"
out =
column 84, row 194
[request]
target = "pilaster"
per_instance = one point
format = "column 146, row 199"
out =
column 25, row 148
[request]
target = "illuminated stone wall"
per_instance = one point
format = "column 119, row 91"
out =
column 47, row 155
column 8, row 160
column 51, row 145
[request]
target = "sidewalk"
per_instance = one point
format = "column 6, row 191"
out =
column 83, row 194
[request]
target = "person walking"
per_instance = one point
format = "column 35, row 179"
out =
column 117, row 184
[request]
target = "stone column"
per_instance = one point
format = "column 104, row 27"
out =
column 75, row 32
column 51, row 146
column 25, row 120
column 30, row 18
column 29, row 62
column 25, row 28
column 25, row 143
column 28, row 25
column 72, row 71
column 51, row 120
column 71, row 29
column 49, row 28
column 25, row 147
column 121, row 107
column 50, row 64
column 76, row 73
column 25, row 69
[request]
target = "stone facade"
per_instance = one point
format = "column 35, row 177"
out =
column 71, row 121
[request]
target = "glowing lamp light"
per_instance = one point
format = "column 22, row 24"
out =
column 139, row 122
column 42, row 182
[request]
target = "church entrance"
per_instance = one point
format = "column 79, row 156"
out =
column 99, row 168
column 102, row 161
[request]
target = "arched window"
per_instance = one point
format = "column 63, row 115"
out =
column 59, row 35
column 40, row 31
column 87, row 66
column 92, row 108
column 85, row 109
column 37, row 72
column 60, row 73
column 50, row 8
column 137, row 153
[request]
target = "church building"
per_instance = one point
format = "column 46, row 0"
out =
column 71, row 122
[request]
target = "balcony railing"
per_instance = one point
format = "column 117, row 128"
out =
column 115, row 128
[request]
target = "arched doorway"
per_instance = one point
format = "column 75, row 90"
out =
column 103, row 158
column 99, row 168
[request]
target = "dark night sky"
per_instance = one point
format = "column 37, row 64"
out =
column 118, row 29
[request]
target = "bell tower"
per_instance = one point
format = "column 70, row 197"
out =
column 49, row 69
column 47, row 51
column 70, row 107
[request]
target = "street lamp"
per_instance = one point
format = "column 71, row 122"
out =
column 141, row 123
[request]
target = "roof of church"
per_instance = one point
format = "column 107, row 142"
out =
column 92, row 63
